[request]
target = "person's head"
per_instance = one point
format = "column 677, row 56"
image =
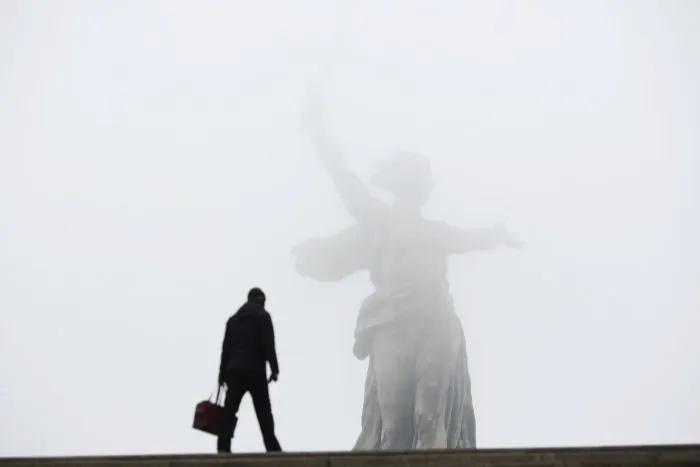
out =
column 407, row 176
column 256, row 295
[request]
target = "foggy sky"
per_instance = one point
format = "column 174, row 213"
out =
column 152, row 169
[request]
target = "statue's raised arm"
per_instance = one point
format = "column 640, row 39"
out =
column 362, row 206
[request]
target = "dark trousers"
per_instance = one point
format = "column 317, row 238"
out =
column 238, row 383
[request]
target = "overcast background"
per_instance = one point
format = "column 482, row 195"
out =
column 152, row 169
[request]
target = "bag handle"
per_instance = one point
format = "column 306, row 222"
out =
column 217, row 401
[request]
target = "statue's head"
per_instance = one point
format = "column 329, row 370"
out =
column 407, row 176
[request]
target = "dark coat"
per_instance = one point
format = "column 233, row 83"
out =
column 249, row 342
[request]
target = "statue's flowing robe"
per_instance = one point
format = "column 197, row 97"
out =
column 334, row 258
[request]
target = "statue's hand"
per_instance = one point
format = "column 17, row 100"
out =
column 506, row 238
column 305, row 261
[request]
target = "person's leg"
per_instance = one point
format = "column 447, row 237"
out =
column 392, row 362
column 263, row 410
column 435, row 366
column 236, row 389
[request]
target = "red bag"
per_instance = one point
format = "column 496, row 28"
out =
column 208, row 415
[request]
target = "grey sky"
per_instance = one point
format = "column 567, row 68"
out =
column 152, row 168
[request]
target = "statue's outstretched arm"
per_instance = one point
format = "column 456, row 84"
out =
column 333, row 258
column 456, row 240
column 362, row 206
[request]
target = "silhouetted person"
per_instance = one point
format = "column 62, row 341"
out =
column 249, row 345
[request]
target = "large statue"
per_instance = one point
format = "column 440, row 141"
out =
column 417, row 391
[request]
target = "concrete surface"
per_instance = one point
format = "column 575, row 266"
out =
column 666, row 456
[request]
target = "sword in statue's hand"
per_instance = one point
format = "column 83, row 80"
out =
column 312, row 109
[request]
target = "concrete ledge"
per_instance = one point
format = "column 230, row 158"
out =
column 622, row 456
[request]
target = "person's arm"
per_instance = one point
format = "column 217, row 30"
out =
column 359, row 203
column 457, row 241
column 269, row 348
column 225, row 352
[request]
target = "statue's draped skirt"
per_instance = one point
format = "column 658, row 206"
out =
column 426, row 334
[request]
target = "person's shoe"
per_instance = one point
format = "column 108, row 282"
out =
column 222, row 448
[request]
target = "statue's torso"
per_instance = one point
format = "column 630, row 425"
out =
column 408, row 268
column 406, row 253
